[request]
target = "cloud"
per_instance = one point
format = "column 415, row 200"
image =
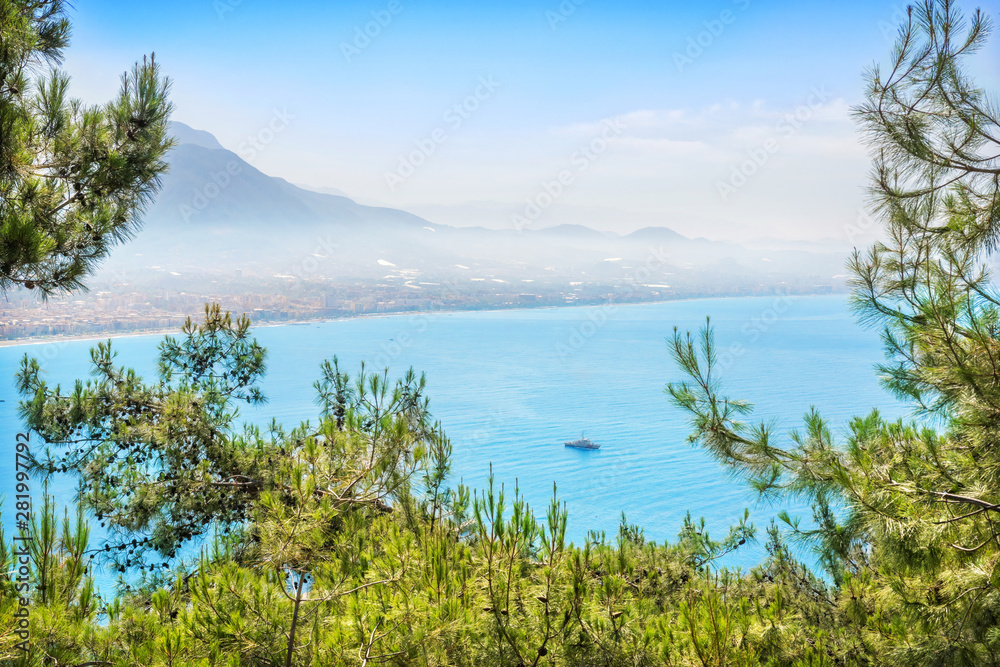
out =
column 725, row 128
column 730, row 169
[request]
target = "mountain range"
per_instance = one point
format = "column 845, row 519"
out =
column 217, row 214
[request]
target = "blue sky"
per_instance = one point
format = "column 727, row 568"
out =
column 537, row 83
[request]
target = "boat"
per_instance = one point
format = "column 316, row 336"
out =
column 583, row 443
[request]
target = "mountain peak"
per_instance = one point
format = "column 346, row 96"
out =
column 185, row 134
column 651, row 234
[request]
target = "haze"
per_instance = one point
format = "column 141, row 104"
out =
column 477, row 108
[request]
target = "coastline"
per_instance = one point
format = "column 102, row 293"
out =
column 66, row 338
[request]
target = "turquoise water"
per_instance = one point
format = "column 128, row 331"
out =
column 511, row 386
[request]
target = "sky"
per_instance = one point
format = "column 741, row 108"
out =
column 727, row 119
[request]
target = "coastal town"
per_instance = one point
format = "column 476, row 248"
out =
column 125, row 309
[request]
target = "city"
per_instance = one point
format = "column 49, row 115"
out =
column 127, row 308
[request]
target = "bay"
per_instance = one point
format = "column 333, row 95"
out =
column 511, row 386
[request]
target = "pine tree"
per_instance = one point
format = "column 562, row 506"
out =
column 74, row 179
column 342, row 543
column 918, row 543
column 325, row 553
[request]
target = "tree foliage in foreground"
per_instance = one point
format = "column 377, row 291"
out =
column 342, row 543
column 74, row 179
column 919, row 539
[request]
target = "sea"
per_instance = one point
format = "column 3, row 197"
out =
column 510, row 387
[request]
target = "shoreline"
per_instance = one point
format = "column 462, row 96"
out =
column 68, row 338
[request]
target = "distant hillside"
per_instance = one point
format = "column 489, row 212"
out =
column 217, row 213
column 209, row 185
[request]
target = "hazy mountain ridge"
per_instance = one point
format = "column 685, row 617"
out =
column 217, row 213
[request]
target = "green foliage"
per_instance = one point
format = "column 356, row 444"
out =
column 158, row 463
column 915, row 544
column 343, row 544
column 74, row 179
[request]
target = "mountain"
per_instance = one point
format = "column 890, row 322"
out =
column 322, row 190
column 185, row 134
column 216, row 214
column 656, row 235
column 209, row 185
